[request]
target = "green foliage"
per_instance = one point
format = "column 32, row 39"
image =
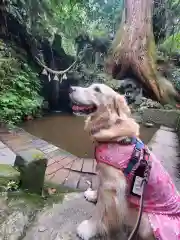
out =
column 68, row 45
column 68, row 18
column 105, row 15
column 19, row 88
column 172, row 43
column 71, row 17
column 176, row 78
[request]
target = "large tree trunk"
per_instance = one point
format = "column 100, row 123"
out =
column 133, row 49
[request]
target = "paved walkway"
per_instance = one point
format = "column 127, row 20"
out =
column 63, row 167
column 68, row 170
column 60, row 221
column 165, row 145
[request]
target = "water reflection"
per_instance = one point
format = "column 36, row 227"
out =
column 68, row 133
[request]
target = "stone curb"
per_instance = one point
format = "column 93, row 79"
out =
column 163, row 117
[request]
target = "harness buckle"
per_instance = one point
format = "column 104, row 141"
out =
column 136, row 153
column 141, row 174
column 135, row 156
column 148, row 164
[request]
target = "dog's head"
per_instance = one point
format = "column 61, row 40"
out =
column 91, row 99
column 109, row 114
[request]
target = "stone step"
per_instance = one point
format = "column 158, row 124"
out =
column 60, row 222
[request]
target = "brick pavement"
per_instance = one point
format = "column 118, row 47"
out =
column 60, row 221
column 63, row 168
column 66, row 169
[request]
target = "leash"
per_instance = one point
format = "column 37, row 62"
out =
column 144, row 183
column 144, row 168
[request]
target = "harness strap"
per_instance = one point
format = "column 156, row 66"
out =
column 139, row 145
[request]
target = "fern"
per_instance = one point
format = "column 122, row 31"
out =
column 19, row 88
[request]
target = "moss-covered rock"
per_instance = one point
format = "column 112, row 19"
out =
column 31, row 164
column 18, row 209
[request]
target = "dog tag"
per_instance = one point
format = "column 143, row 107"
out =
column 136, row 188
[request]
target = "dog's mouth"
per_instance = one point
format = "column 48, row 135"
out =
column 80, row 109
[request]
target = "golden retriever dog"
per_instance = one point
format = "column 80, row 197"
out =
column 108, row 122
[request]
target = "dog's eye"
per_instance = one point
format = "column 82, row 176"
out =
column 97, row 89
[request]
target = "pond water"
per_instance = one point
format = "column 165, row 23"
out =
column 67, row 132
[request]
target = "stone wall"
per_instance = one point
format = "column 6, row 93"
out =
column 164, row 117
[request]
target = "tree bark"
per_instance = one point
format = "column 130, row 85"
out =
column 133, row 49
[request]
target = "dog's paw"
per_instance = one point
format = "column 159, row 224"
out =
column 86, row 230
column 90, row 195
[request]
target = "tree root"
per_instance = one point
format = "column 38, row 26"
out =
column 134, row 49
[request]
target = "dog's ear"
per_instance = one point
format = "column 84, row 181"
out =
column 121, row 107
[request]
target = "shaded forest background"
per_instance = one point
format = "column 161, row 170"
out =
column 48, row 29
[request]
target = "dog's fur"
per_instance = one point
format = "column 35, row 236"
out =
column 112, row 210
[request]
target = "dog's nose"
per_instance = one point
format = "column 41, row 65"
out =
column 71, row 90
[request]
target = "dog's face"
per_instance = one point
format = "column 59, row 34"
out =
column 88, row 100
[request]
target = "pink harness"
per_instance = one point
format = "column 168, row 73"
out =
column 161, row 199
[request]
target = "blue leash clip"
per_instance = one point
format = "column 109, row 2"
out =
column 139, row 145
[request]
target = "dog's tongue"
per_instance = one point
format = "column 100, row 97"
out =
column 78, row 108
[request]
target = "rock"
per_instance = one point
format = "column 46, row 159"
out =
column 3, row 206
column 32, row 165
column 138, row 99
column 148, row 124
column 42, row 229
column 168, row 106
column 164, row 117
column 62, row 219
column 7, row 171
column 132, row 90
column 137, row 117
column 14, row 225
column 149, row 103
column 141, row 109
column 45, row 105
column 141, row 103
column 7, row 157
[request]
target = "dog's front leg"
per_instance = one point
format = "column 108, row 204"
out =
column 94, row 226
column 106, row 216
column 111, row 208
column 91, row 195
